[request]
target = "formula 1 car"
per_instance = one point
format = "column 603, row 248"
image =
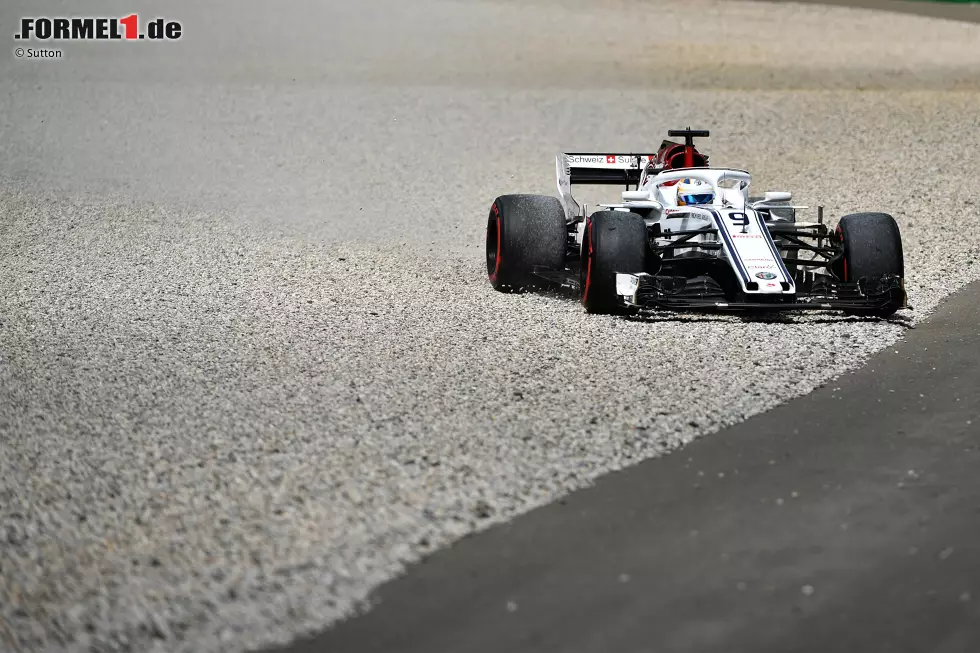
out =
column 668, row 247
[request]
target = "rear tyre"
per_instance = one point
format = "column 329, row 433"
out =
column 614, row 241
column 872, row 247
column 524, row 231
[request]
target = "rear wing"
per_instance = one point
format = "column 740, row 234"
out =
column 604, row 168
column 593, row 168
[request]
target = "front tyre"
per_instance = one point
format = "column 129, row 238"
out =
column 614, row 241
column 523, row 232
column 872, row 248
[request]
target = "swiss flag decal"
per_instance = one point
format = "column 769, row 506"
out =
column 610, row 158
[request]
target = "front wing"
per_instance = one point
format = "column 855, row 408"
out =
column 646, row 291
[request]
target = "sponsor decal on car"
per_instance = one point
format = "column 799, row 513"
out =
column 631, row 160
column 768, row 276
column 617, row 160
column 586, row 159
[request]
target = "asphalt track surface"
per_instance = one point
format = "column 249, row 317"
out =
column 847, row 520
column 250, row 365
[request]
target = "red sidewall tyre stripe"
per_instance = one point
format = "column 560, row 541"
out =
column 840, row 234
column 588, row 269
column 496, row 266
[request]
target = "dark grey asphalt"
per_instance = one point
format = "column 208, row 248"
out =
column 969, row 12
column 847, row 520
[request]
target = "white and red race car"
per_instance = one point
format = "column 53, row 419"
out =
column 723, row 251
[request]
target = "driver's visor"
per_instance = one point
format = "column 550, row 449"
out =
column 700, row 198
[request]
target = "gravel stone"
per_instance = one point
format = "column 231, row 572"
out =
column 240, row 387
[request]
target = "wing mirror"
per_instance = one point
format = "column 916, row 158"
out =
column 778, row 196
column 636, row 196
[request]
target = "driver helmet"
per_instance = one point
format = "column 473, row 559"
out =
column 694, row 191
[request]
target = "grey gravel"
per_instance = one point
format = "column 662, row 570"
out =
column 240, row 386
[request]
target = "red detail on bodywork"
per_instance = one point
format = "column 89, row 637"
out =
column 676, row 155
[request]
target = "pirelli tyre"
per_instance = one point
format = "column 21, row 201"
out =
column 613, row 241
column 872, row 248
column 523, row 232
